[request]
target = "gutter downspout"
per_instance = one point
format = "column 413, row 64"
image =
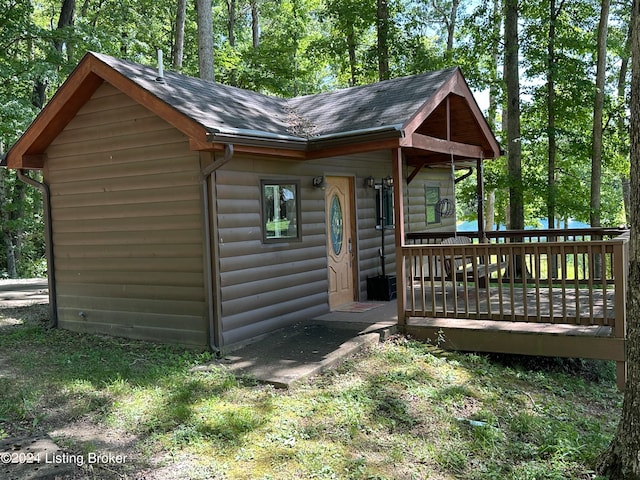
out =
column 215, row 328
column 48, row 232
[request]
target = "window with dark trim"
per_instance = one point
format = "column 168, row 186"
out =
column 280, row 210
column 432, row 204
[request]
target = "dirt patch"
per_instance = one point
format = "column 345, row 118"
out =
column 60, row 447
column 91, row 436
column 81, row 450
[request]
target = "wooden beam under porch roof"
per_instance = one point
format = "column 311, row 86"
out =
column 439, row 145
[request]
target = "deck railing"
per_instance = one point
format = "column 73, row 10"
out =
column 501, row 236
column 555, row 276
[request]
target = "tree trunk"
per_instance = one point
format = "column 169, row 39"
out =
column 451, row 26
column 231, row 34
column 383, row 40
column 7, row 234
column 551, row 130
column 551, row 116
column 65, row 20
column 622, row 459
column 231, row 22
column 621, row 117
column 490, row 211
column 67, row 10
column 514, row 154
column 255, row 24
column 494, row 100
column 178, row 47
column 596, row 137
column 205, row 40
column 494, row 89
column 351, row 46
column 512, row 80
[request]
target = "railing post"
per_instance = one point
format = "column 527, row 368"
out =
column 401, row 268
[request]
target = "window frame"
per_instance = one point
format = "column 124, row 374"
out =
column 435, row 206
column 264, row 215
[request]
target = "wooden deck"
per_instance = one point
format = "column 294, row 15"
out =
column 565, row 297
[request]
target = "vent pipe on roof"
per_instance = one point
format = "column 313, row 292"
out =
column 160, row 77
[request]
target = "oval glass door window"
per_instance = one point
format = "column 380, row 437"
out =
column 336, row 225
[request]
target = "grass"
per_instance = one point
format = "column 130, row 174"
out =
column 400, row 410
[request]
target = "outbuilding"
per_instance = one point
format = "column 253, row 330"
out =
column 180, row 210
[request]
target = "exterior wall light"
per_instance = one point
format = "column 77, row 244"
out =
column 370, row 182
column 320, row 182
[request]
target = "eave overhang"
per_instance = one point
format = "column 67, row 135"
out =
column 265, row 143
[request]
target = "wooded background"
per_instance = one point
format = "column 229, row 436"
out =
column 552, row 74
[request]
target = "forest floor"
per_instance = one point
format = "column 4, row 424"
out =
column 78, row 406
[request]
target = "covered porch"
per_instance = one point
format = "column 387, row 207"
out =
column 535, row 292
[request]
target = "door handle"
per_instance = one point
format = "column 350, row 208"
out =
column 350, row 246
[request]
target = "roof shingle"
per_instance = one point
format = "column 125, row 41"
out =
column 222, row 108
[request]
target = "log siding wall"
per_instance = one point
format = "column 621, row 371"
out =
column 127, row 224
column 415, row 206
column 264, row 286
column 128, row 231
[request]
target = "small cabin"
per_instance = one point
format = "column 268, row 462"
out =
column 180, row 210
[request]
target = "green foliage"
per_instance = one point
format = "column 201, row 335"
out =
column 307, row 46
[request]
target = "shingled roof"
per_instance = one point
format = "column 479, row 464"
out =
column 219, row 107
column 384, row 104
column 404, row 112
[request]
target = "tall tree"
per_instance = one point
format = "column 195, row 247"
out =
column 65, row 20
column 598, row 107
column 205, row 40
column 494, row 100
column 255, row 23
column 383, row 39
column 512, row 82
column 232, row 11
column 621, row 125
column 551, row 113
column 178, row 44
column 622, row 459
column 451, row 25
column 8, row 230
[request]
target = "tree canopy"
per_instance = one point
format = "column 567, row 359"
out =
column 296, row 47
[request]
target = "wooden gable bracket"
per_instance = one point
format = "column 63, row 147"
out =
column 415, row 171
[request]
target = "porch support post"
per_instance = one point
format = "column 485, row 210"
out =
column 482, row 236
column 398, row 201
